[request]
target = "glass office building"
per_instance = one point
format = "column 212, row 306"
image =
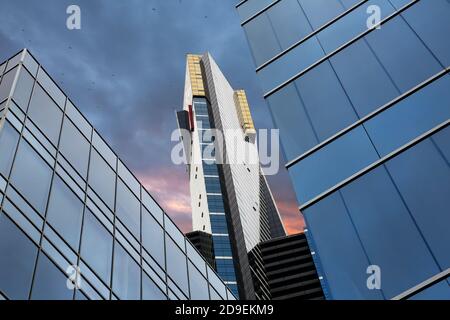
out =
column 70, row 209
column 363, row 112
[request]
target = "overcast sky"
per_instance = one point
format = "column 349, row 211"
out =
column 125, row 71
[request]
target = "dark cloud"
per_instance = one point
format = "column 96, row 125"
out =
column 125, row 71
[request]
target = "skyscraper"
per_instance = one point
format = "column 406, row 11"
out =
column 230, row 198
column 287, row 268
column 72, row 216
column 360, row 93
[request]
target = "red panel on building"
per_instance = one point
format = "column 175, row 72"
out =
column 191, row 118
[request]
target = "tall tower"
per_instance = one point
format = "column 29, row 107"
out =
column 230, row 198
column 360, row 93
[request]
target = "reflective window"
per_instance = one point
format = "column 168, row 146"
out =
column 153, row 237
column 212, row 185
column 96, row 246
column 198, row 284
column 374, row 204
column 126, row 278
column 5, row 85
column 175, row 233
column 8, row 142
column 75, row 147
column 364, row 78
column 65, row 212
column 225, row 268
column 341, row 254
column 49, row 282
column 23, row 89
column 427, row 191
column 351, row 25
column 429, row 19
column 332, row 164
column 252, row 7
column 411, row 117
column 320, row 12
column 222, row 246
column 289, row 22
column 104, row 150
column 128, row 209
column 45, row 114
column 152, row 206
column 210, row 169
column 262, row 39
column 330, row 112
column 17, row 259
column 129, row 179
column 215, row 203
column 150, row 290
column 290, row 116
column 102, row 179
column 399, row 50
column 218, row 224
column 79, row 120
column 176, row 264
column 51, row 87
column 29, row 166
column 30, row 63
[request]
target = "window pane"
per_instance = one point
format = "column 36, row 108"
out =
column 126, row 278
column 49, row 282
column 65, row 212
column 320, row 12
column 17, row 258
column 430, row 20
column 29, row 167
column 411, row 117
column 325, row 120
column 399, row 50
column 153, row 237
column 289, row 22
column 341, row 254
column 102, row 179
column 176, row 264
column 51, row 87
column 212, row 185
column 8, row 142
column 75, row 147
column 5, row 85
column 128, row 209
column 366, row 82
column 23, row 89
column 198, row 284
column 374, row 204
column 96, row 246
column 262, row 39
column 150, row 290
column 152, row 206
column 290, row 117
column 252, row 7
column 45, row 114
column 332, row 164
column 422, row 175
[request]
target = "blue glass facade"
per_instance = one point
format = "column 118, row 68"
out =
column 363, row 117
column 220, row 235
column 67, row 201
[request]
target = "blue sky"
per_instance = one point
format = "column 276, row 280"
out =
column 125, row 71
